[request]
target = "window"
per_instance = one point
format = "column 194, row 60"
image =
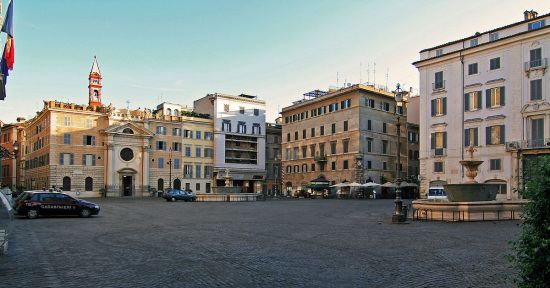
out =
column 88, row 184
column 399, row 109
column 345, row 146
column 438, row 167
column 66, row 121
column 333, row 107
column 473, row 42
column 304, row 134
column 177, row 163
column 304, row 151
column 333, row 147
column 198, row 151
column 304, row 168
column 66, row 138
column 439, row 142
column 536, row 89
column 288, row 154
column 385, row 106
column 345, row 104
column 494, row 164
column 208, row 171
column 384, row 147
column 312, row 167
column 535, row 57
column 256, row 112
column 346, row 125
column 66, row 159
column 89, row 123
column 257, row 131
column 537, row 132
column 472, row 69
column 296, row 169
column 187, row 151
column 289, row 169
column 88, row 160
column 439, row 83
column 322, row 149
column 470, row 137
column 494, row 63
column 369, row 125
column 494, row 97
column 439, row 52
column 226, row 126
column 536, row 25
column 208, row 153
column 287, row 137
column 322, row 130
column 346, row 164
column 369, row 103
column 89, row 140
column 198, row 171
column 369, row 144
column 160, row 185
column 296, row 153
column 161, row 130
column 241, row 110
column 187, row 171
column 161, row 145
column 295, row 135
column 312, row 132
column 241, row 128
column 472, row 101
column 160, row 163
column 333, row 128
column 312, row 150
column 188, row 134
column 495, row 135
column 333, row 165
column 226, row 107
column 198, row 134
column 493, row 36
column 384, row 166
column 208, row 135
column 439, row 106
column 176, row 131
column 176, row 146
column 384, row 127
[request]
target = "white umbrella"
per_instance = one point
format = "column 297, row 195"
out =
column 340, row 185
column 354, row 184
column 389, row 184
column 371, row 184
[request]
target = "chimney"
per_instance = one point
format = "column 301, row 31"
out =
column 530, row 14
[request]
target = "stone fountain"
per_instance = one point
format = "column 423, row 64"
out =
column 471, row 190
column 227, row 188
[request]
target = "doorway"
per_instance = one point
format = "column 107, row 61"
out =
column 127, row 185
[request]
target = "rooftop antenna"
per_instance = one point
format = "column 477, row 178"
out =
column 336, row 79
column 127, row 105
column 360, row 68
column 368, row 73
column 375, row 74
column 387, row 73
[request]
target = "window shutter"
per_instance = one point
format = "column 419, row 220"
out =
column 502, row 98
column 174, row 132
column 488, row 135
column 502, row 134
column 466, row 137
column 84, row 159
column 444, row 139
column 158, row 145
column 445, row 106
column 433, row 107
column 433, row 141
column 93, row 160
column 479, row 96
column 475, row 137
column 488, row 98
column 158, row 129
column 72, row 159
column 543, row 23
column 84, row 140
column 530, row 26
column 93, row 140
column 466, row 102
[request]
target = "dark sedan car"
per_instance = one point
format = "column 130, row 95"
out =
column 173, row 195
column 35, row 203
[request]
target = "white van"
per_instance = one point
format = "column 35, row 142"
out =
column 437, row 193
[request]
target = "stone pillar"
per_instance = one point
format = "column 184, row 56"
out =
column 145, row 170
column 109, row 169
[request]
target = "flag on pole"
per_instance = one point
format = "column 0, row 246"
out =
column 7, row 27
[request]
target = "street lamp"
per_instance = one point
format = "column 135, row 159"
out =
column 170, row 165
column 398, row 216
column 5, row 153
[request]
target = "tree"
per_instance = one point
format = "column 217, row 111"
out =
column 532, row 248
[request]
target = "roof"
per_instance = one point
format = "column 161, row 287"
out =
column 95, row 67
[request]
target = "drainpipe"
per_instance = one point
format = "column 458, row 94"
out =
column 462, row 101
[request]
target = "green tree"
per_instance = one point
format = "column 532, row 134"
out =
column 532, row 248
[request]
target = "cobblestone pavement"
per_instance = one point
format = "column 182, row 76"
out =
column 148, row 242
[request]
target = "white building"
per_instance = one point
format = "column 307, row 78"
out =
column 489, row 90
column 239, row 138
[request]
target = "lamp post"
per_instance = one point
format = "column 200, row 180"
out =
column 398, row 216
column 5, row 153
column 170, row 166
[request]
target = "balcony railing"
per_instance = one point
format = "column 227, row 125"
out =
column 321, row 158
column 536, row 143
column 440, row 85
column 536, row 64
column 438, row 152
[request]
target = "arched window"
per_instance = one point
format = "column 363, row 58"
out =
column 176, row 112
column 128, row 131
column 168, row 111
column 89, row 184
column 66, row 183
column 160, row 185
column 177, row 184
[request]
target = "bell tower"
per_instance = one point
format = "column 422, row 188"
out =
column 94, row 85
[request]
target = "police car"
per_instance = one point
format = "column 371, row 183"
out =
column 35, row 203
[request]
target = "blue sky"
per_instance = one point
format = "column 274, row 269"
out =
column 178, row 51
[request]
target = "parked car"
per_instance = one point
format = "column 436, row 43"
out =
column 173, row 195
column 43, row 203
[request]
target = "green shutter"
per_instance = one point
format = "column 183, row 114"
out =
column 466, row 102
column 84, row 159
column 444, row 105
column 479, row 96
column 444, row 139
column 433, row 141
column 502, row 134
column 466, row 137
column 502, row 98
column 488, row 135
column 488, row 98
column 433, row 107
column 475, row 137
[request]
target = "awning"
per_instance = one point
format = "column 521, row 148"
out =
column 318, row 186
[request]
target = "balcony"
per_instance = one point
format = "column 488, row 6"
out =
column 536, row 64
column 440, row 85
column 322, row 158
column 438, row 152
column 535, row 143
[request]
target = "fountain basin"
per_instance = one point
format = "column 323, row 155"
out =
column 227, row 190
column 470, row 192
